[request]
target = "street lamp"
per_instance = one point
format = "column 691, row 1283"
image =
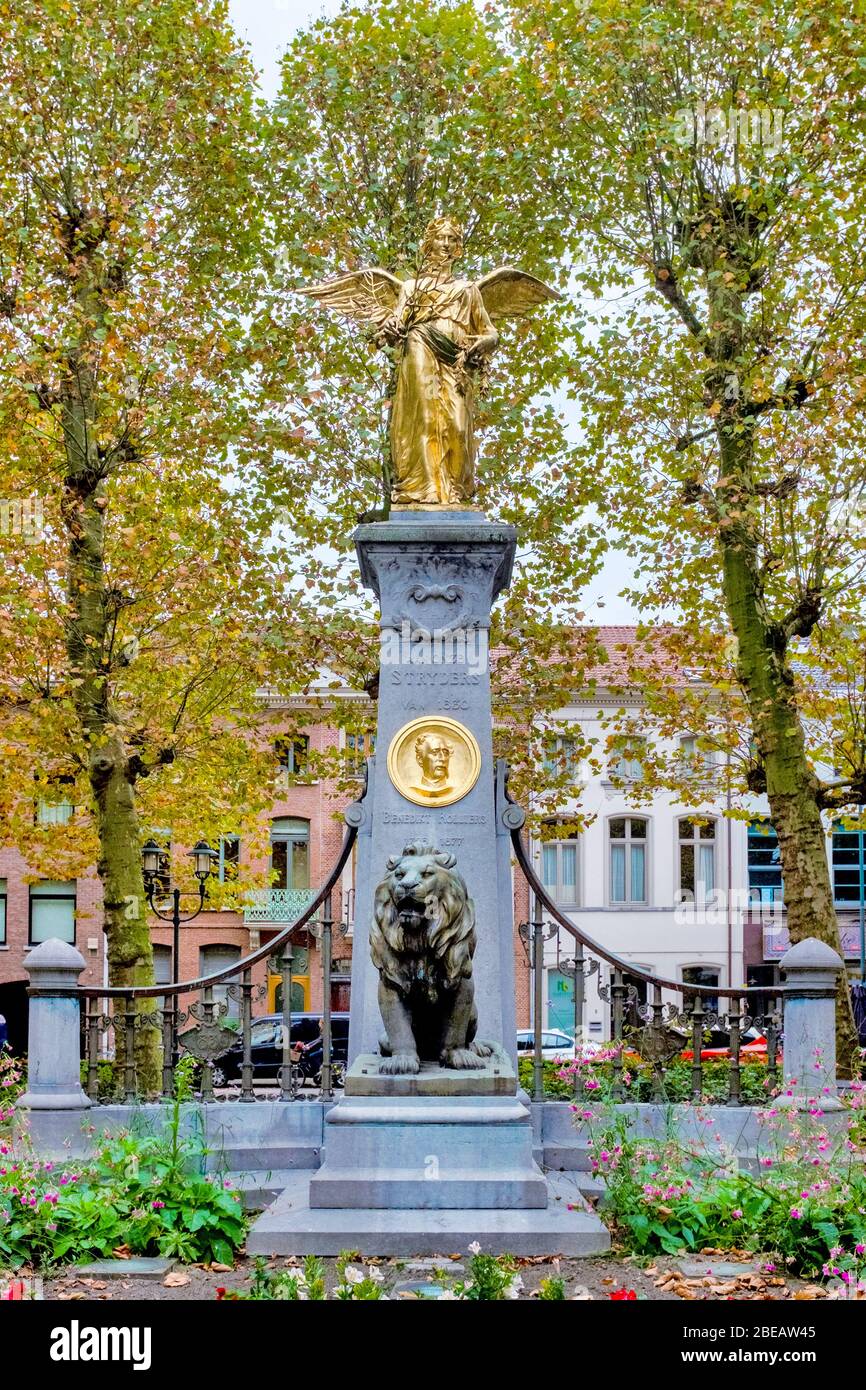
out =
column 151, row 856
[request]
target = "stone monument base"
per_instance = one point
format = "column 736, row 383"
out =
column 566, row 1226
column 429, row 1151
column 495, row 1077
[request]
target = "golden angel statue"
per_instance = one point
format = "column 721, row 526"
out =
column 442, row 329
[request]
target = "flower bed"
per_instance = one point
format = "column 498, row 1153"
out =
column 141, row 1195
column 592, row 1079
column 804, row 1204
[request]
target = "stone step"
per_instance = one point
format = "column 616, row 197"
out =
column 261, row 1187
column 237, row 1158
column 591, row 1186
column 571, row 1158
column 404, row 1188
column 291, row 1226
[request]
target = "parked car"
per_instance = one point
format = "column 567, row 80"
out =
column 554, row 1045
column 266, row 1046
column 753, row 1043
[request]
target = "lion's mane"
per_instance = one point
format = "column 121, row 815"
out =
column 440, row 954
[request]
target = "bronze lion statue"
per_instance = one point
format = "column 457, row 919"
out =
column 422, row 943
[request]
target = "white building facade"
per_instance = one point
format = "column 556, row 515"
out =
column 686, row 892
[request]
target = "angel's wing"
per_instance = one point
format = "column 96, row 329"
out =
column 368, row 296
column 508, row 292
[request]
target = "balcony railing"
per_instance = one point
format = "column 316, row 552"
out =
column 276, row 905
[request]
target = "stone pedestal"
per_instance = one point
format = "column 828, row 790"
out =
column 424, row 1152
column 436, row 575
column 810, row 971
column 54, row 1042
column 494, row 1078
column 424, row 1164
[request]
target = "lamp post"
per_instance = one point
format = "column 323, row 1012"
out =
column 202, row 856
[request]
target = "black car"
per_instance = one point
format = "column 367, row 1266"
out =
column 266, row 1040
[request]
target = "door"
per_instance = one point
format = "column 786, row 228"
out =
column 560, row 1002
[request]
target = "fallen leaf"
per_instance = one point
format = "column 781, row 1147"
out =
column 175, row 1280
column 222, row 1269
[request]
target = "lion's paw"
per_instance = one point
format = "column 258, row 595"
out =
column 400, row 1064
column 483, row 1049
column 461, row 1058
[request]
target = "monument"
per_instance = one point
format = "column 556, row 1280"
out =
column 431, row 1143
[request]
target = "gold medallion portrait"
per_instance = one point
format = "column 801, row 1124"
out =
column 434, row 761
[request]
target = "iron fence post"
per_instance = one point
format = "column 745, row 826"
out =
column 538, row 1003
column 287, row 1079
column 327, row 926
column 247, row 1093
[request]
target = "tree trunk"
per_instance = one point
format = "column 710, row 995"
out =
column 765, row 675
column 130, row 953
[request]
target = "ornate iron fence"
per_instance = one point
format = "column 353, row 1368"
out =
column 656, row 1030
column 114, row 1017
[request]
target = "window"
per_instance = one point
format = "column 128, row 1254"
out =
column 214, row 958
column 52, row 912
column 628, row 862
column 290, row 852
column 762, row 977
column 559, row 870
column 765, row 865
column 359, row 747
column 703, row 975
column 697, row 858
column 161, row 970
column 696, row 757
column 626, row 759
column 54, row 806
column 560, row 756
column 2, row 912
column 292, row 757
column 161, row 964
column 848, row 851
column 230, row 858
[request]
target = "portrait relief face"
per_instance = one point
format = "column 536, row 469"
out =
column 434, row 760
column 433, row 754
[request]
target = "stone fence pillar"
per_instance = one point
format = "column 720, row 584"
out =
column 810, row 971
column 54, row 1042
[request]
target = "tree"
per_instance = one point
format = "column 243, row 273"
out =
column 143, row 610
column 389, row 114
column 709, row 155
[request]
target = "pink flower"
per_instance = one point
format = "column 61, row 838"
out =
column 737, row 1214
column 796, row 1213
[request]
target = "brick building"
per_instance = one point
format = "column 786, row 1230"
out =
column 621, row 880
column 305, row 832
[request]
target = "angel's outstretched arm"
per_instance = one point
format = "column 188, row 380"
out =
column 485, row 335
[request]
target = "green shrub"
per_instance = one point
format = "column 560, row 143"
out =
column 806, row 1205
column 135, row 1192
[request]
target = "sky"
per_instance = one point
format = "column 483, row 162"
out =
column 268, row 26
